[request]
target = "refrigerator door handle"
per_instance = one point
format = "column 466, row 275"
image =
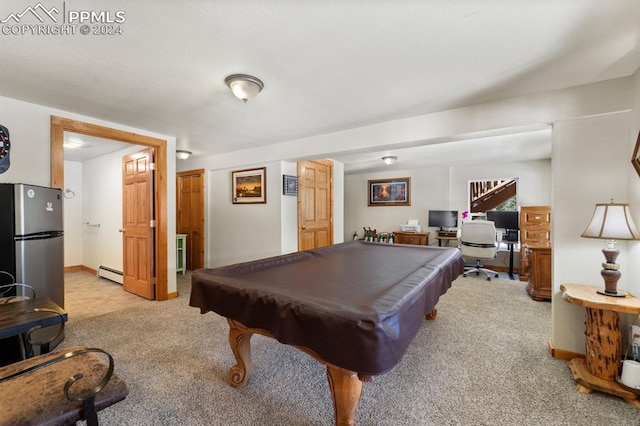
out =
column 39, row 236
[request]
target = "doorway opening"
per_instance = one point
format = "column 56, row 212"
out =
column 59, row 125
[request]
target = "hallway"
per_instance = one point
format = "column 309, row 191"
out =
column 87, row 295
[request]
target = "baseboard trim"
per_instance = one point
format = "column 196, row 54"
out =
column 80, row 268
column 172, row 295
column 563, row 355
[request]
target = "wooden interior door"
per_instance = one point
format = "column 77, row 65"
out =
column 137, row 229
column 190, row 215
column 315, row 204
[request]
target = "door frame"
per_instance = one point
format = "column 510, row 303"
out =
column 59, row 125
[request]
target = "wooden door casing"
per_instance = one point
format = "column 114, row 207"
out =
column 190, row 215
column 137, row 216
column 315, row 204
column 59, row 125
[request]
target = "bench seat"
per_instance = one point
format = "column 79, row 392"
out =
column 38, row 396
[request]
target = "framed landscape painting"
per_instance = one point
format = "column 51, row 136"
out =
column 390, row 192
column 249, row 186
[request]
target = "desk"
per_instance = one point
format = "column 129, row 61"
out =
column 443, row 238
column 510, row 244
column 18, row 317
column 417, row 238
column 355, row 307
column 603, row 337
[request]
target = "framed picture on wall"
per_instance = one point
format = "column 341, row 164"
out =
column 390, row 192
column 249, row 186
column 289, row 185
column 635, row 159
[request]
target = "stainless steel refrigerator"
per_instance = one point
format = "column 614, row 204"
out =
column 31, row 239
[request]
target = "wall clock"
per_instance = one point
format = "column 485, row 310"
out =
column 4, row 149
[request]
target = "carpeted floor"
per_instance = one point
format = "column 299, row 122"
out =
column 483, row 361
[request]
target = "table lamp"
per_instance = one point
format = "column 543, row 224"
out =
column 611, row 222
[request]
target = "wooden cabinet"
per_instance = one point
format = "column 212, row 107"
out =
column 415, row 238
column 537, row 262
column 535, row 229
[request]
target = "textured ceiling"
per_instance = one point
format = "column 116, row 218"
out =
column 327, row 65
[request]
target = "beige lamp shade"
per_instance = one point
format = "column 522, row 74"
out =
column 612, row 222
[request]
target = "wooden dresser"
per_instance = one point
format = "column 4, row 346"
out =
column 537, row 262
column 535, row 235
column 415, row 238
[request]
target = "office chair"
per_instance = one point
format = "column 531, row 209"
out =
column 478, row 240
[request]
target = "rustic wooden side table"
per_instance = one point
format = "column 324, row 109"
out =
column 600, row 369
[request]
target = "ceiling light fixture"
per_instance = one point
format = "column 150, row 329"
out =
column 74, row 144
column 389, row 159
column 182, row 154
column 244, row 86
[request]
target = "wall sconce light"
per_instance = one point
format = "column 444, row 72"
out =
column 389, row 159
column 244, row 86
column 182, row 154
column 611, row 222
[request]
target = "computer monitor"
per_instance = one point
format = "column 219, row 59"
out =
column 505, row 219
column 443, row 219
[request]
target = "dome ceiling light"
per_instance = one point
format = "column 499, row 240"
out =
column 243, row 86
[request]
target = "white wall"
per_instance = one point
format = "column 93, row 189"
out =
column 633, row 274
column 338, row 203
column 30, row 130
column 242, row 232
column 102, row 188
column 440, row 188
column 429, row 190
column 289, row 214
column 534, row 181
column 597, row 148
column 73, row 214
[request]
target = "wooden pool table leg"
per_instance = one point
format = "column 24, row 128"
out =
column 345, row 385
column 432, row 315
column 240, row 342
column 346, row 389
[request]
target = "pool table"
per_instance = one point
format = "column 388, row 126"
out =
column 355, row 307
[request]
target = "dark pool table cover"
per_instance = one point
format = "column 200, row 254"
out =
column 357, row 305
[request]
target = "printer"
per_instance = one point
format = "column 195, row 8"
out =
column 410, row 226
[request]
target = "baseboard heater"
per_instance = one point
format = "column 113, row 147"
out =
column 110, row 274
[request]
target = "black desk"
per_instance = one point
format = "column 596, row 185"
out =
column 17, row 318
column 510, row 244
column 448, row 237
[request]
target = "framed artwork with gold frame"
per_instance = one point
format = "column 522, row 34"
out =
column 249, row 186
